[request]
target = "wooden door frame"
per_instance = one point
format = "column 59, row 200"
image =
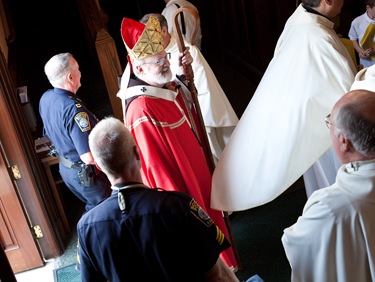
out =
column 33, row 186
column 17, row 240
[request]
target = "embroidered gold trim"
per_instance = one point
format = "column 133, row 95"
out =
column 141, row 120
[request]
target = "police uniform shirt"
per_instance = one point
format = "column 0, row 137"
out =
column 67, row 122
column 162, row 236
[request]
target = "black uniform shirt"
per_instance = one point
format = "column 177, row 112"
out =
column 162, row 236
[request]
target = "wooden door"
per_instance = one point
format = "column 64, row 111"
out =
column 24, row 199
column 15, row 234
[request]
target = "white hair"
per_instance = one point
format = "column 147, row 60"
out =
column 57, row 67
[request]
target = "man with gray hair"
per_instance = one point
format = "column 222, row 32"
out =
column 142, row 234
column 333, row 239
column 67, row 123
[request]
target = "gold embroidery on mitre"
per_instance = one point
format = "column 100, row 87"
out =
column 150, row 42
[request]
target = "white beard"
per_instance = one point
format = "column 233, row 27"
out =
column 163, row 77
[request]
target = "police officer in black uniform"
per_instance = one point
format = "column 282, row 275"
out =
column 142, row 234
column 67, row 123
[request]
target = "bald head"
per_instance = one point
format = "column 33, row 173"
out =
column 353, row 117
column 358, row 101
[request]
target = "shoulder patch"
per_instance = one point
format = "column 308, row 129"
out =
column 83, row 122
column 200, row 214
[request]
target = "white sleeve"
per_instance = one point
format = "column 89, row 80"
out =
column 168, row 13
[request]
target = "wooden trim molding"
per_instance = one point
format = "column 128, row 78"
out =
column 21, row 152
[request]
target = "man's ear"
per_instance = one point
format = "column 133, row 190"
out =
column 97, row 166
column 136, row 152
column 345, row 143
column 139, row 68
column 137, row 156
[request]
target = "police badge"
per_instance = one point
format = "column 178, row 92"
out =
column 83, row 122
column 199, row 213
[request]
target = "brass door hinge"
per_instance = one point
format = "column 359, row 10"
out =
column 37, row 231
column 16, row 172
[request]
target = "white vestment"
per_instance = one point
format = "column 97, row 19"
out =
column 365, row 79
column 333, row 240
column 282, row 131
column 322, row 173
column 218, row 115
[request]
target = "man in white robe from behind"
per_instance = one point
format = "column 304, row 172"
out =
column 218, row 115
column 333, row 240
column 279, row 136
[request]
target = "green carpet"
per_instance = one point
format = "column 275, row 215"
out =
column 258, row 232
column 67, row 274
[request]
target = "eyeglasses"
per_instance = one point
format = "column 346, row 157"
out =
column 328, row 122
column 161, row 61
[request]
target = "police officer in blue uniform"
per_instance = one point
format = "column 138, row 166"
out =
column 67, row 123
column 142, row 234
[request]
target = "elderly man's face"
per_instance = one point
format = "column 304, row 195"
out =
column 157, row 68
column 335, row 135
